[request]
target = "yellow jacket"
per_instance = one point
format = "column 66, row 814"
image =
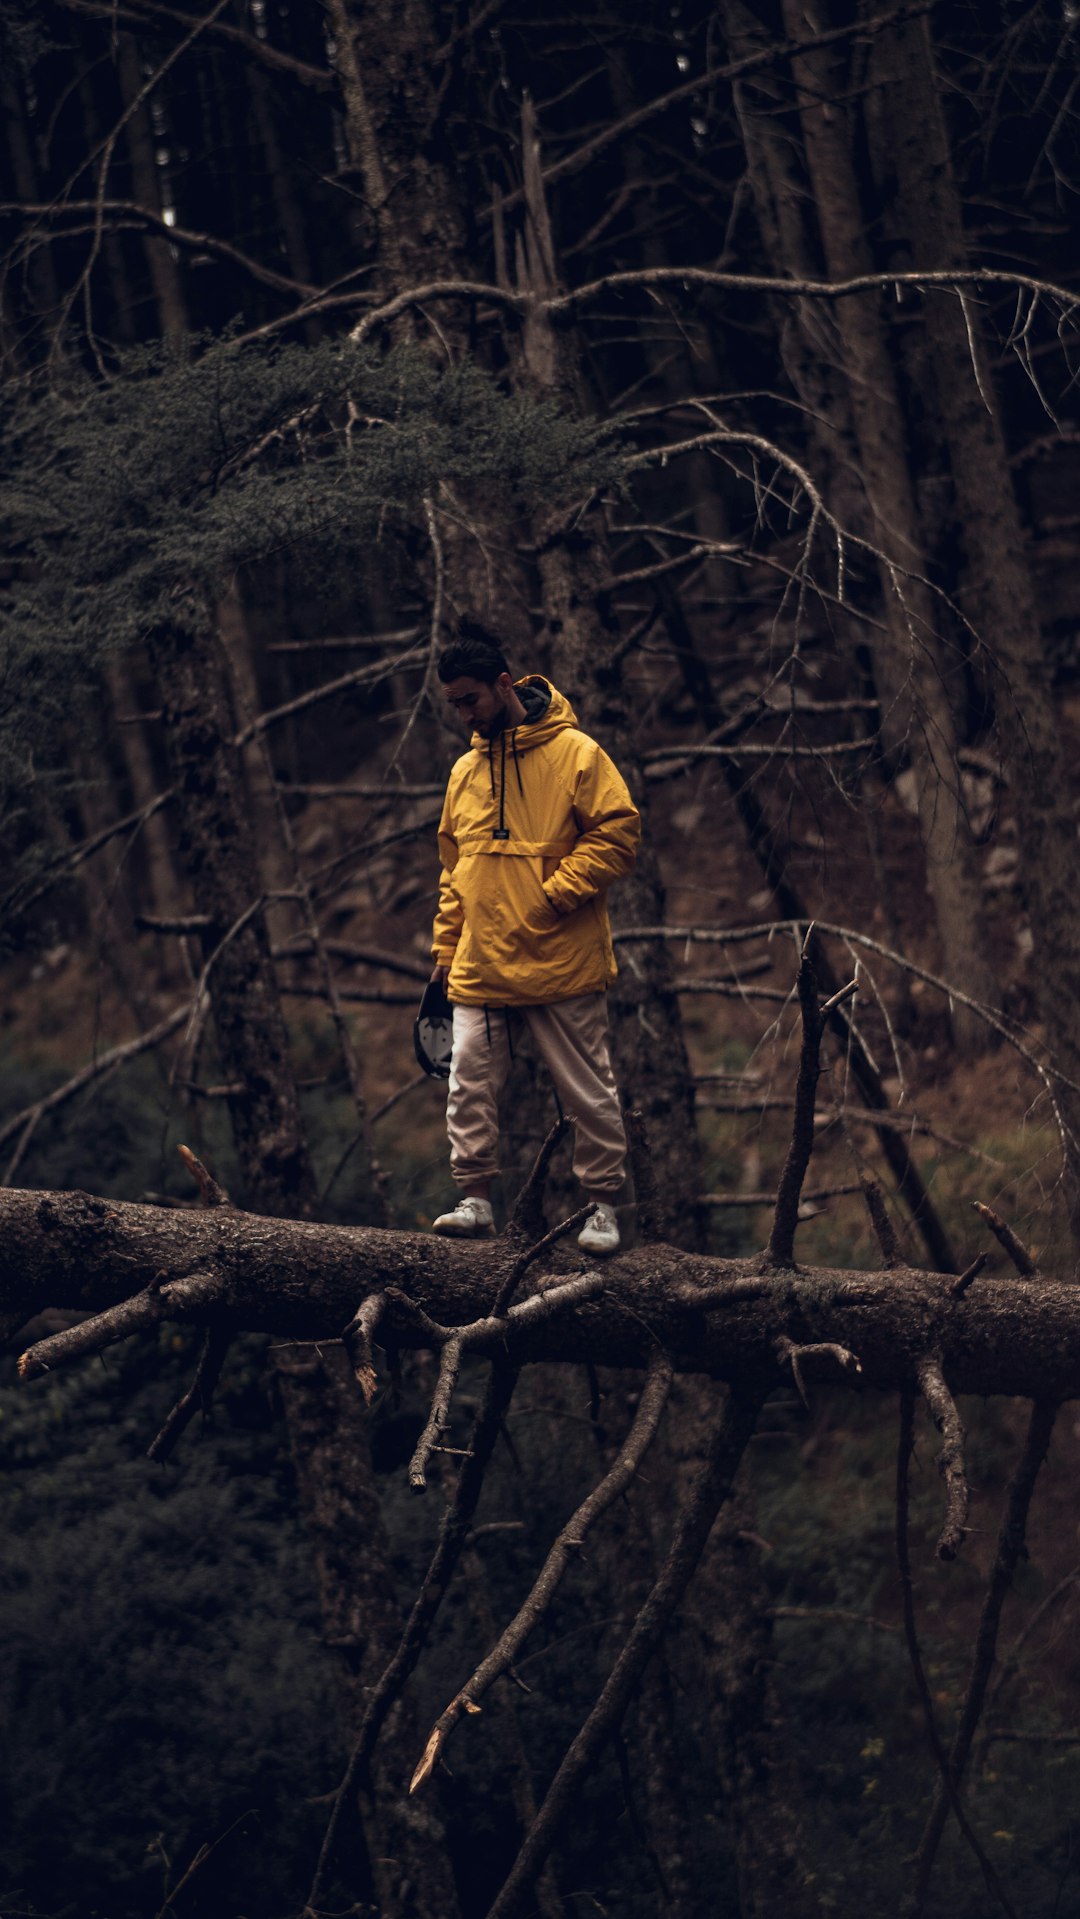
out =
column 536, row 824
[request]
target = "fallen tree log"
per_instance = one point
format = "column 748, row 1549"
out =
column 727, row 1318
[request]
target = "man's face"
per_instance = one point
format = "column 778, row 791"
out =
column 480, row 708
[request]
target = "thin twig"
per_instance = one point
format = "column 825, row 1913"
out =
column 1010, row 1666
column 1005, row 1236
column 1010, row 1548
column 532, row 1253
column 709, row 1492
column 959, row 1286
column 198, row 1396
column 452, row 1539
column 903, row 1560
column 884, row 1230
column 570, row 1541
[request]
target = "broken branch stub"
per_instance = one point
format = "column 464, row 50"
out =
column 951, row 1464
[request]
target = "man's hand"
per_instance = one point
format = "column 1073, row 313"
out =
column 442, row 974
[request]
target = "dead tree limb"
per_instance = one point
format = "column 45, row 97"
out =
column 709, row 1492
column 1010, row 1666
column 182, row 1299
column 526, row 1224
column 495, row 1330
column 951, row 1458
column 884, row 1230
column 453, row 1536
column 216, row 1344
column 1010, row 1548
column 358, row 1338
column 569, row 1542
column 781, row 1249
column 970, row 1273
column 1005, row 1237
column 905, row 1445
column 717, row 1317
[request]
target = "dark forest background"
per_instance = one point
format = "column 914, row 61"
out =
column 321, row 326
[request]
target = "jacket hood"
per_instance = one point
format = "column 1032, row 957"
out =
column 547, row 712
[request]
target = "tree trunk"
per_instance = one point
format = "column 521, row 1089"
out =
column 162, row 267
column 914, row 667
column 328, row 1436
column 217, row 850
column 648, row 1047
column 995, row 585
column 334, row 1473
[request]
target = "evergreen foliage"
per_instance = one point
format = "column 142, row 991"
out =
column 163, row 1683
column 131, row 500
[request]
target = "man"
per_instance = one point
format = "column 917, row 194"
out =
column 536, row 825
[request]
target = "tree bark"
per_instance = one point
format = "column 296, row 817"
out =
column 328, row 1437
column 995, row 586
column 217, row 851
column 334, row 1472
column 916, row 671
column 162, row 267
column 648, row 1047
column 296, row 1280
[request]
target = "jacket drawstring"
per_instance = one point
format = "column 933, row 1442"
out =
column 509, row 1036
column 517, row 762
column 501, row 832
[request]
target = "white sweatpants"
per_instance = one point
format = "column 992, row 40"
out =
column 570, row 1036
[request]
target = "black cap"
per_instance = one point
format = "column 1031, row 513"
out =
column 433, row 1031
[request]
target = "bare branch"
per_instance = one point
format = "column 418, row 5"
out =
column 527, row 1220
column 949, row 278
column 1005, row 1236
column 903, row 1559
column 479, row 1336
column 197, row 1398
column 439, row 1414
column 357, row 1340
column 781, row 1248
column 882, row 1224
column 791, row 1354
column 140, row 12
column 951, row 1458
column 1010, row 1548
column 118, row 215
column 959, row 1286
column 453, row 1536
column 210, row 1192
column 704, row 82
column 711, row 1489
column 532, row 1253
column 570, row 1541
column 181, row 1299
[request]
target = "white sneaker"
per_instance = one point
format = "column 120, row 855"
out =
column 600, row 1233
column 470, row 1219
